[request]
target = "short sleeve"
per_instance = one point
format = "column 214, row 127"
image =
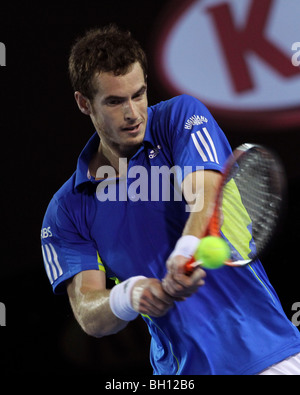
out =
column 197, row 139
column 66, row 250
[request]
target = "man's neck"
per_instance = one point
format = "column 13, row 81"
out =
column 107, row 156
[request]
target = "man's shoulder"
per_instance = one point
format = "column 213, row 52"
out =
column 71, row 204
column 179, row 111
column 68, row 195
column 67, row 189
column 175, row 102
column 178, row 107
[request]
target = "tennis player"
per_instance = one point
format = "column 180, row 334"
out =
column 113, row 220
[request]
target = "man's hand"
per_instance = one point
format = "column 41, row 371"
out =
column 177, row 283
column 148, row 297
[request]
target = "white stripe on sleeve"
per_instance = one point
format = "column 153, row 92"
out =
column 47, row 267
column 50, row 261
column 199, row 149
column 60, row 272
column 212, row 144
column 205, row 145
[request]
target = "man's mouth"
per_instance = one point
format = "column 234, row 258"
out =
column 132, row 129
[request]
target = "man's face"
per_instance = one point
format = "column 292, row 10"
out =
column 119, row 109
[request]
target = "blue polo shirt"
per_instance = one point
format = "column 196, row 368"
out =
column 128, row 226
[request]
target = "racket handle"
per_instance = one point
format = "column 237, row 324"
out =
column 190, row 266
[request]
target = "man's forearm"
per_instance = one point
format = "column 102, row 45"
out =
column 97, row 310
column 202, row 207
column 93, row 313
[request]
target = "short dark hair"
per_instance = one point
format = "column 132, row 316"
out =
column 107, row 49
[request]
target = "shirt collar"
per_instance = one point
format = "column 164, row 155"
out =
column 82, row 170
column 148, row 135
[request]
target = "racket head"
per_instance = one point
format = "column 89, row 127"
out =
column 249, row 202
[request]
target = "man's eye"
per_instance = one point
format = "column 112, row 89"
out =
column 139, row 96
column 113, row 102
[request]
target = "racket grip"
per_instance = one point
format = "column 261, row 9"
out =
column 189, row 266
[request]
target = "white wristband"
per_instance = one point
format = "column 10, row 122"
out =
column 186, row 246
column 120, row 299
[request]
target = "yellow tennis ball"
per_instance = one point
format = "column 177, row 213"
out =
column 212, row 252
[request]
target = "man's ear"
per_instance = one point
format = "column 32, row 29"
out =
column 83, row 103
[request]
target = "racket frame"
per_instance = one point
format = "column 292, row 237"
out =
column 214, row 225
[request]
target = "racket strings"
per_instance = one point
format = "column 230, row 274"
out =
column 255, row 203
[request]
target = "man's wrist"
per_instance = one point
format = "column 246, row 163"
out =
column 120, row 299
column 186, row 246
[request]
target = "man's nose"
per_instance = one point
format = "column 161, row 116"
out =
column 130, row 111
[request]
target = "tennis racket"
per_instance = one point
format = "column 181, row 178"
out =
column 248, row 204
